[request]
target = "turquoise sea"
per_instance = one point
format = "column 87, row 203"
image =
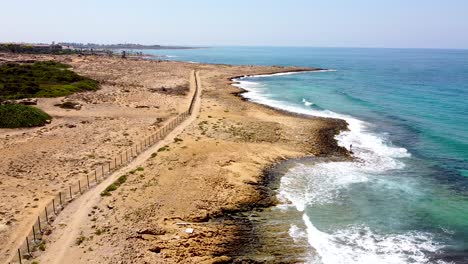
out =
column 405, row 197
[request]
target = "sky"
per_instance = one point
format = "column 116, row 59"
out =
column 324, row 23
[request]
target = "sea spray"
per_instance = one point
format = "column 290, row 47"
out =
column 359, row 245
column 307, row 103
column 323, row 183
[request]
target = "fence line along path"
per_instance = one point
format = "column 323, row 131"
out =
column 72, row 205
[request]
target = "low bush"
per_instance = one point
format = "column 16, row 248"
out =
column 122, row 179
column 165, row 148
column 41, row 79
column 114, row 186
column 109, row 189
column 68, row 105
column 16, row 116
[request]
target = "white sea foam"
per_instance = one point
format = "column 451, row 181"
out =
column 302, row 186
column 359, row 245
column 284, row 73
column 297, row 233
column 307, row 103
column 321, row 184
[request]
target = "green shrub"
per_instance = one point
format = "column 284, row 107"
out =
column 114, row 186
column 15, row 116
column 41, row 79
column 122, row 179
column 165, row 148
column 109, row 189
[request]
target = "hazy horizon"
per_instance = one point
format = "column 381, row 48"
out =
column 297, row 23
column 234, row 46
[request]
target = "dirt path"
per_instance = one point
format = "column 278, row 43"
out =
column 60, row 247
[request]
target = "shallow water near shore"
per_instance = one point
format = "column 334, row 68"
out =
column 405, row 197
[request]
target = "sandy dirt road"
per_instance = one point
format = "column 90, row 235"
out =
column 60, row 247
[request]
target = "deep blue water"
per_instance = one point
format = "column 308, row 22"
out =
column 406, row 200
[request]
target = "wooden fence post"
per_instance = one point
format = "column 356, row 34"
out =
column 46, row 214
column 39, row 223
column 27, row 244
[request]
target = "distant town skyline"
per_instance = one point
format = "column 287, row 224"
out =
column 335, row 23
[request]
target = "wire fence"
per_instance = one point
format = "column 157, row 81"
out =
column 34, row 242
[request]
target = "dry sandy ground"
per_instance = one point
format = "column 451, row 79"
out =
column 35, row 163
column 69, row 223
column 180, row 208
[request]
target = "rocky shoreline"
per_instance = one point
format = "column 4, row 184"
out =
column 254, row 241
column 262, row 232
